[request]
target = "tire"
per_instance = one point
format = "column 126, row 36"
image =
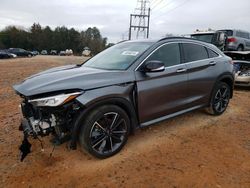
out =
column 104, row 131
column 240, row 48
column 219, row 99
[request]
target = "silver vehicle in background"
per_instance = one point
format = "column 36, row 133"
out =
column 237, row 40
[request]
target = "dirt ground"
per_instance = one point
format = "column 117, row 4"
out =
column 192, row 150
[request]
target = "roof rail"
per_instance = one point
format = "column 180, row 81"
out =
column 164, row 38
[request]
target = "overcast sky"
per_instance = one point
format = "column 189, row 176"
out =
column 112, row 16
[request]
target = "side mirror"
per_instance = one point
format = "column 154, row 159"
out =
column 154, row 66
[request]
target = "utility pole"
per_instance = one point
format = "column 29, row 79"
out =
column 139, row 21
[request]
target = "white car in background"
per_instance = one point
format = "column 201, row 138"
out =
column 86, row 52
column 69, row 52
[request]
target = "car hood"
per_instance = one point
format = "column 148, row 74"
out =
column 71, row 77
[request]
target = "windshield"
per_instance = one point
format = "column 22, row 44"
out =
column 204, row 37
column 118, row 57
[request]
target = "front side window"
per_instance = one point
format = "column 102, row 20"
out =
column 194, row 52
column 168, row 54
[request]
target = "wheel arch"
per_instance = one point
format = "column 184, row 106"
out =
column 123, row 103
column 241, row 45
column 228, row 79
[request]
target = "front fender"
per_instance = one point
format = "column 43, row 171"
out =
column 120, row 95
column 91, row 97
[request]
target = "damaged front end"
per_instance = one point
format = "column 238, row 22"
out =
column 42, row 116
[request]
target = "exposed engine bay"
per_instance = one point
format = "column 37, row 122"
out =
column 242, row 69
column 40, row 121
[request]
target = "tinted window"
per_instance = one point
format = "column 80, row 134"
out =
column 169, row 54
column 194, row 52
column 242, row 34
column 245, row 35
column 212, row 53
column 228, row 32
column 238, row 34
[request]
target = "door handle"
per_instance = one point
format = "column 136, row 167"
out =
column 181, row 70
column 212, row 63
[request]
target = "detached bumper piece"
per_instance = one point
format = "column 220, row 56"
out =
column 24, row 148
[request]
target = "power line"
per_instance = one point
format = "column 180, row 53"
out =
column 153, row 7
column 167, row 4
column 180, row 5
column 153, row 2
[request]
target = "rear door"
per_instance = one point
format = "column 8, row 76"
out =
column 203, row 69
column 162, row 93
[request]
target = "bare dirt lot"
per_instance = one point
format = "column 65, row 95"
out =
column 192, row 150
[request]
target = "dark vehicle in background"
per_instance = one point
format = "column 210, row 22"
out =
column 5, row 55
column 237, row 40
column 20, row 52
column 241, row 66
column 53, row 52
column 130, row 85
column 44, row 52
column 217, row 38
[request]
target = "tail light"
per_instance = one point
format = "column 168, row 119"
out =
column 231, row 40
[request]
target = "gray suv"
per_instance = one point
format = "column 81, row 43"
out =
column 130, row 85
column 237, row 40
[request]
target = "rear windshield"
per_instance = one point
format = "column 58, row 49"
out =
column 203, row 37
column 228, row 32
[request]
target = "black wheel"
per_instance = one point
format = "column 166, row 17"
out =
column 104, row 131
column 240, row 48
column 219, row 99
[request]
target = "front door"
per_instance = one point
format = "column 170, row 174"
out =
column 162, row 93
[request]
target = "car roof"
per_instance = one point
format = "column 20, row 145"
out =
column 166, row 39
column 177, row 39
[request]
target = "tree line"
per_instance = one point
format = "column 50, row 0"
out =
column 44, row 38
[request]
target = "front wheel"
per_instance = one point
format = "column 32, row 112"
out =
column 104, row 131
column 219, row 99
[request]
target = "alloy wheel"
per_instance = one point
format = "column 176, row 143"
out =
column 108, row 133
column 221, row 99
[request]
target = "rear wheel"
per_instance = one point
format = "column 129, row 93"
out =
column 105, row 131
column 240, row 48
column 219, row 99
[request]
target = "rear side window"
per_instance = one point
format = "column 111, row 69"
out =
column 212, row 53
column 242, row 34
column 194, row 52
column 169, row 54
